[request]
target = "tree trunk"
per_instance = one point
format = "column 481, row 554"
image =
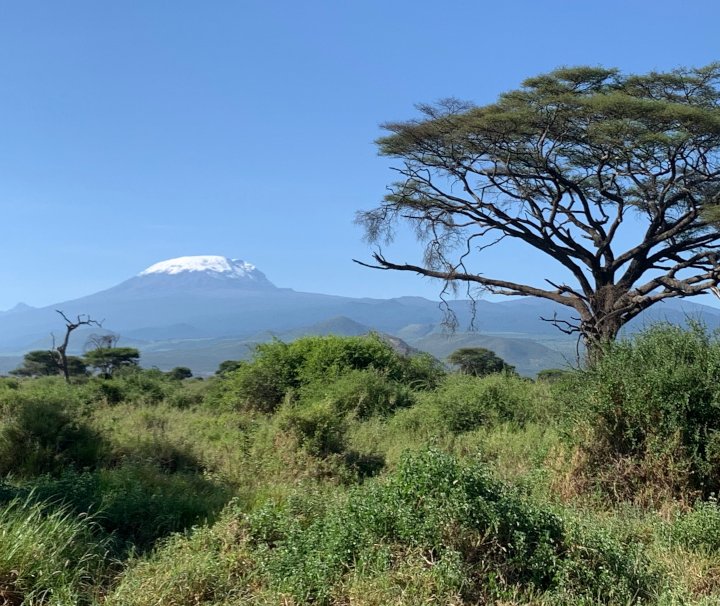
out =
column 601, row 323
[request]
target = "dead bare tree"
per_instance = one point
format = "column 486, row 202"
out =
column 70, row 326
column 97, row 341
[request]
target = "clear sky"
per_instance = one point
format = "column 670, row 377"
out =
column 137, row 131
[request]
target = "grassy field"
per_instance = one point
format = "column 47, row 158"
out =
column 331, row 471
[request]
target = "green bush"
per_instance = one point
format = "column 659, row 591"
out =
column 39, row 436
column 205, row 567
column 323, row 410
column 279, row 368
column 261, row 385
column 699, row 529
column 655, row 402
column 361, row 393
column 489, row 537
column 144, row 386
column 103, row 391
column 319, row 425
column 136, row 503
column 554, row 375
column 328, row 357
column 141, row 503
column 467, row 402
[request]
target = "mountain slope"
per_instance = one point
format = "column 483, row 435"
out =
column 181, row 306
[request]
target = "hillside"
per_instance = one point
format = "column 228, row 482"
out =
column 199, row 311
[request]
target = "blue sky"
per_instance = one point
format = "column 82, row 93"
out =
column 132, row 132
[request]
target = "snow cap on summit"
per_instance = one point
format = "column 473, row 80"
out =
column 209, row 264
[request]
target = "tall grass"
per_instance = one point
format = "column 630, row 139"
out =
column 49, row 555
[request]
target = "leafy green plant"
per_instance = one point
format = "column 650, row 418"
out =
column 699, row 529
column 491, row 538
column 320, row 426
column 39, row 437
column 362, row 393
column 207, row 566
column 279, row 368
column 141, row 504
column 655, row 404
column 467, row 402
column 49, row 555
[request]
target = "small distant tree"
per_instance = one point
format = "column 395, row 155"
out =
column 38, row 363
column 101, row 341
column 478, row 361
column 228, row 366
column 109, row 359
column 553, row 375
column 180, row 372
column 46, row 363
column 70, row 326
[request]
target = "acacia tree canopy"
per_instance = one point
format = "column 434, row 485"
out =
column 108, row 359
column 478, row 361
column 561, row 165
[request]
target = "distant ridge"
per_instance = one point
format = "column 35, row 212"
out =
column 19, row 308
column 197, row 311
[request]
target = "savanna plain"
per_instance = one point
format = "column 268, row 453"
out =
column 335, row 471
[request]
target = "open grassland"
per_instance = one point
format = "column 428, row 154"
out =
column 332, row 471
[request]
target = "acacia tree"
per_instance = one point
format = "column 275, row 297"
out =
column 563, row 164
column 479, row 362
column 42, row 363
column 109, row 359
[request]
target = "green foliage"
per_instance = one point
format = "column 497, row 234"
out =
column 478, row 361
column 699, row 529
column 203, row 568
column 554, row 375
column 143, row 386
column 140, row 503
column 137, row 503
column 320, row 426
column 99, row 391
column 48, row 556
column 362, row 393
column 278, row 368
column 38, row 436
column 656, row 401
column 601, row 567
column 421, row 371
column 467, row 402
column 484, row 538
column 261, row 385
column 180, row 372
column 331, row 506
column 326, row 357
column 323, row 412
column 228, row 366
column 39, row 363
column 107, row 360
column 46, row 363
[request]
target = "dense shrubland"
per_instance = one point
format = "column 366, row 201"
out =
column 334, row 471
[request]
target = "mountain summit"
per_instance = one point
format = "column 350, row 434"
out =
column 209, row 264
column 205, row 271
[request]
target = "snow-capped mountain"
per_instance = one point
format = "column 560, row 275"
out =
column 214, row 266
column 184, row 274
